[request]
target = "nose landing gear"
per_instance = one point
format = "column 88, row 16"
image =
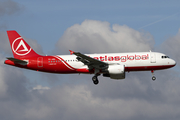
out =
column 153, row 78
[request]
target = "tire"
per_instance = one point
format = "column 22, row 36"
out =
column 95, row 80
column 153, row 78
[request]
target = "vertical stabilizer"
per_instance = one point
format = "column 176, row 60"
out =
column 19, row 46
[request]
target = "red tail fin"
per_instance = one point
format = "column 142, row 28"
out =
column 19, row 46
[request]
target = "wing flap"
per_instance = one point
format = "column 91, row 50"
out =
column 95, row 61
column 91, row 62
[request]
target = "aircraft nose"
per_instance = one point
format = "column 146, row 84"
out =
column 173, row 62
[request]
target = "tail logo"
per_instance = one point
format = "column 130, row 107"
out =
column 19, row 47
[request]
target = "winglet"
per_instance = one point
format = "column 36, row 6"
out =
column 72, row 52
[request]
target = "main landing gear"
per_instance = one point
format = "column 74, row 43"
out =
column 95, row 79
column 153, row 78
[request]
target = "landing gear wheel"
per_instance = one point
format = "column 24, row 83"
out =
column 95, row 80
column 153, row 78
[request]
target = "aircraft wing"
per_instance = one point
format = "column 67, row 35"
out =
column 17, row 61
column 89, row 61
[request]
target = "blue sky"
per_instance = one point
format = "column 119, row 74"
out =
column 90, row 26
column 47, row 20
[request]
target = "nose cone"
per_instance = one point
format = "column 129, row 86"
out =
column 173, row 62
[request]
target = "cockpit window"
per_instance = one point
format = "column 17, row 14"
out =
column 165, row 57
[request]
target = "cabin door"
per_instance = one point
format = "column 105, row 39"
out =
column 153, row 58
column 40, row 62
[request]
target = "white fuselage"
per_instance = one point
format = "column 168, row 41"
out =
column 132, row 61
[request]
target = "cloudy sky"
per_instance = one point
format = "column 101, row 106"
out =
column 96, row 26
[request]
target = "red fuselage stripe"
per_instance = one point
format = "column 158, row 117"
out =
column 144, row 68
column 65, row 63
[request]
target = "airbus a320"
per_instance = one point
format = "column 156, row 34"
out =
column 113, row 65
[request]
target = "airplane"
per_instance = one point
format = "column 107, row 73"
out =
column 113, row 65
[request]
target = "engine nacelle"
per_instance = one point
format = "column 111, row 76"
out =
column 115, row 72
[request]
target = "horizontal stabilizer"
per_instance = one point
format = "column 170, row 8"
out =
column 17, row 61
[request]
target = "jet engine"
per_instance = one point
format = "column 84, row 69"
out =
column 115, row 72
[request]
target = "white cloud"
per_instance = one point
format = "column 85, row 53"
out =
column 171, row 46
column 12, row 80
column 78, row 102
column 39, row 87
column 95, row 36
